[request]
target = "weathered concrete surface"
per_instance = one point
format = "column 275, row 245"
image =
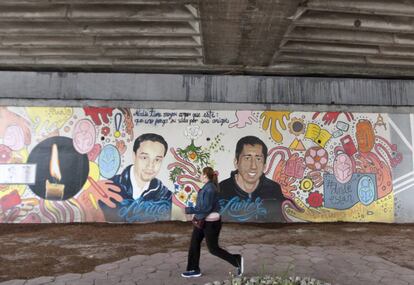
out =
column 333, row 252
column 331, row 264
column 278, row 37
column 181, row 89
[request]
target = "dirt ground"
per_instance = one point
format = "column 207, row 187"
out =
column 33, row 250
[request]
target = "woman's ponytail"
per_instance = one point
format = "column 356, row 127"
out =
column 212, row 176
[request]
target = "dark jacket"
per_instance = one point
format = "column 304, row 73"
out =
column 206, row 203
column 264, row 204
column 153, row 205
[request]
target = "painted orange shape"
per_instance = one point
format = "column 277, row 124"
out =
column 365, row 136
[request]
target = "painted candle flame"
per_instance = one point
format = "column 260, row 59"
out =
column 54, row 163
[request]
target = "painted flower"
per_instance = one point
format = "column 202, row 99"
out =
column 176, row 187
column 182, row 196
column 316, row 158
column 193, row 132
column 192, row 155
column 5, row 154
column 187, row 189
column 105, row 131
column 193, row 199
column 315, row 199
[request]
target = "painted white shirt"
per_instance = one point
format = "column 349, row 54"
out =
column 136, row 190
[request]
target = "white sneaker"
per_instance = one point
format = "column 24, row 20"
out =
column 240, row 269
column 191, row 273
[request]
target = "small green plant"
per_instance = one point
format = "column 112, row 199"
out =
column 285, row 275
column 274, row 279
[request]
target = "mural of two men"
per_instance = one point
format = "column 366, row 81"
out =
column 247, row 195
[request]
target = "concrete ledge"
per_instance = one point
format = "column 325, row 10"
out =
column 261, row 91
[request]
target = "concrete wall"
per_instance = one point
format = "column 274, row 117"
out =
column 264, row 91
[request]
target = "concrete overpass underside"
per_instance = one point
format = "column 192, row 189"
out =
column 267, row 37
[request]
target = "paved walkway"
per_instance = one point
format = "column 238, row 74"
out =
column 331, row 264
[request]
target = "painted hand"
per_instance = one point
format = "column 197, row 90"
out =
column 243, row 118
column 331, row 117
column 104, row 191
column 270, row 119
column 97, row 113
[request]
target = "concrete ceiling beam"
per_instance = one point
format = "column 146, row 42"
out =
column 340, row 36
column 389, row 53
column 222, row 30
column 234, row 36
column 160, row 62
column 160, row 13
column 356, row 22
column 330, row 48
column 154, row 53
column 146, row 2
column 390, row 61
column 383, row 7
column 343, row 59
column 104, row 28
column 344, row 70
column 45, row 41
column 94, row 52
column 98, row 42
column 276, row 69
column 32, row 12
column 88, row 62
column 147, row 42
column 319, row 58
column 397, row 51
column 28, row 52
column 263, row 26
column 404, row 40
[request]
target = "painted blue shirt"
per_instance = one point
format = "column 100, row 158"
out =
column 154, row 204
column 264, row 204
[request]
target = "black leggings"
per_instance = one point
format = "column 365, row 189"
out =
column 211, row 231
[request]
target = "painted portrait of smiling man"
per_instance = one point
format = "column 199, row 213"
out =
column 144, row 197
column 248, row 195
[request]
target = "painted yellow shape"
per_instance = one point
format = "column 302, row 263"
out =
column 297, row 145
column 93, row 173
column 31, row 201
column 74, row 204
column 23, row 154
column 317, row 134
column 93, row 201
column 381, row 210
column 21, row 188
column 50, row 206
column 48, row 119
column 270, row 119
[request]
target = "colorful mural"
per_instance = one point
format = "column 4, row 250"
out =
column 90, row 164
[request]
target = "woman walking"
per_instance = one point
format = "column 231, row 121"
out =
column 207, row 223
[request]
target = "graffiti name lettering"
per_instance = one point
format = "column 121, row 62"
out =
column 140, row 210
column 243, row 210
